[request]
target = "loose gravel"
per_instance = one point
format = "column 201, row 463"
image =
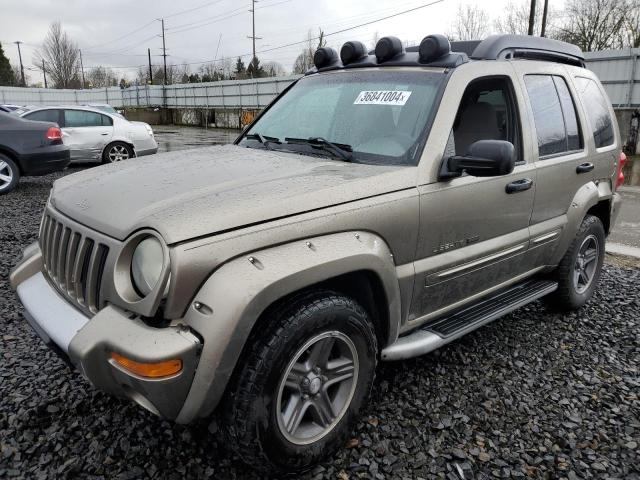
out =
column 535, row 394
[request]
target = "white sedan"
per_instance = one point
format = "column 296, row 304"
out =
column 96, row 136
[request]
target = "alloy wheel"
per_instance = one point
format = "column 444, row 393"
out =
column 6, row 175
column 317, row 387
column 118, row 153
column 586, row 264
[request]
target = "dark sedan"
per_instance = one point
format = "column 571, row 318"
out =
column 28, row 148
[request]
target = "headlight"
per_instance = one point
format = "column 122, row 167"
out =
column 146, row 265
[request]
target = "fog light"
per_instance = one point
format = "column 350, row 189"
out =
column 149, row 370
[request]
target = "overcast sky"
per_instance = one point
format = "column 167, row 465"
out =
column 117, row 33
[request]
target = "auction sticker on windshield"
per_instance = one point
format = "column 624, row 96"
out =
column 382, row 97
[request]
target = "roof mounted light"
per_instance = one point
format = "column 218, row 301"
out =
column 433, row 47
column 387, row 48
column 324, row 57
column 352, row 51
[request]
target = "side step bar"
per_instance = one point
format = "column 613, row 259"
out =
column 454, row 325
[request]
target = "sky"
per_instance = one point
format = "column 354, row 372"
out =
column 117, row 33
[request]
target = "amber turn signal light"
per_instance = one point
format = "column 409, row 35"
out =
column 149, row 370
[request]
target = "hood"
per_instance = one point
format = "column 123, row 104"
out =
column 192, row 193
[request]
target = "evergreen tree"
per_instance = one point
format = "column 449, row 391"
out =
column 240, row 68
column 6, row 72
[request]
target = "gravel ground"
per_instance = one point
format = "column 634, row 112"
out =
column 532, row 395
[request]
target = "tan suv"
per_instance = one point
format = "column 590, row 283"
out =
column 384, row 205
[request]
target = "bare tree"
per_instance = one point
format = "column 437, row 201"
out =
column 596, row 24
column 60, row 55
column 274, row 69
column 631, row 30
column 304, row 61
column 515, row 19
column 102, row 77
column 374, row 39
column 471, row 23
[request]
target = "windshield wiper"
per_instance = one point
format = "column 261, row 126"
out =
column 265, row 141
column 340, row 150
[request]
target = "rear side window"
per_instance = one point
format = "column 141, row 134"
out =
column 597, row 109
column 554, row 114
column 44, row 116
column 82, row 118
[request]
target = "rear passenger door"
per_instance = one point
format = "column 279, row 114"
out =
column 562, row 161
column 86, row 133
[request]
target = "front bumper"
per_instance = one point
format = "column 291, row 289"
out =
column 87, row 342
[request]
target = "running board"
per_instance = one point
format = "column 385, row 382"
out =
column 445, row 329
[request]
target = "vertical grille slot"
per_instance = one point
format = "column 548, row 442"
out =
column 74, row 262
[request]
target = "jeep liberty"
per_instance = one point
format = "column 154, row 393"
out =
column 383, row 205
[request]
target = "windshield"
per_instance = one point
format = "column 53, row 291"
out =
column 376, row 116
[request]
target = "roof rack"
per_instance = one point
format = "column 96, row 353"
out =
column 497, row 47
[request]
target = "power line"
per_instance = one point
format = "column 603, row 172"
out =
column 208, row 4
column 120, row 38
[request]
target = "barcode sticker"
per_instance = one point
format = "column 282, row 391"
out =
column 382, row 97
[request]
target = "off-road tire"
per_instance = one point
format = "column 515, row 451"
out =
column 567, row 297
column 14, row 172
column 249, row 416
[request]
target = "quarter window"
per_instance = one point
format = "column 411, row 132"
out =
column 597, row 109
column 554, row 114
column 82, row 118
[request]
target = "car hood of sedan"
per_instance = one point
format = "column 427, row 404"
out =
column 193, row 193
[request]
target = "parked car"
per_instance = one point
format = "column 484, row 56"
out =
column 28, row 149
column 9, row 108
column 381, row 207
column 96, row 136
column 104, row 107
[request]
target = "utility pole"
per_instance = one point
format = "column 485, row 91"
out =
column 44, row 74
column 164, row 54
column 21, row 67
column 532, row 17
column 81, row 67
column 253, row 29
column 150, row 71
column 543, row 29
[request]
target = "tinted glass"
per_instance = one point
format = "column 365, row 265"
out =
column 574, row 139
column 597, row 109
column 382, row 116
column 44, row 116
column 547, row 114
column 81, row 118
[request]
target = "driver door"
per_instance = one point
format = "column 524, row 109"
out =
column 474, row 231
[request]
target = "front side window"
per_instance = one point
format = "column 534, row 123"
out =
column 377, row 117
column 83, row 118
column 597, row 109
column 44, row 116
column 487, row 112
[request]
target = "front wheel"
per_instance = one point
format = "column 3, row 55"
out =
column 301, row 384
column 579, row 270
column 116, row 152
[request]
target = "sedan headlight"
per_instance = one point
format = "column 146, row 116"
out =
column 146, row 265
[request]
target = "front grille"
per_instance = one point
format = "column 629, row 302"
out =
column 74, row 263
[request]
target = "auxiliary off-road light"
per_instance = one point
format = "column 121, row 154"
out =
column 149, row 370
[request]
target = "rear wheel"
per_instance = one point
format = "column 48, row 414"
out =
column 116, row 152
column 301, row 384
column 579, row 270
column 9, row 174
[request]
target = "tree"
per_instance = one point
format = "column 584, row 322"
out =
column 241, row 71
column 6, row 72
column 274, row 69
column 255, row 70
column 596, row 24
column 304, row 61
column 17, row 76
column 61, row 58
column 515, row 20
column 102, row 77
column 471, row 23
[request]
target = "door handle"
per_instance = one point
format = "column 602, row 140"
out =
column 585, row 167
column 519, row 185
column 106, row 133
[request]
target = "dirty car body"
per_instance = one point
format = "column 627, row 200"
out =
column 365, row 178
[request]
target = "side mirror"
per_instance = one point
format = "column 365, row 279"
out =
column 486, row 158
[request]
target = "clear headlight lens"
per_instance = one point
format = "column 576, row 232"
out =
column 146, row 265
